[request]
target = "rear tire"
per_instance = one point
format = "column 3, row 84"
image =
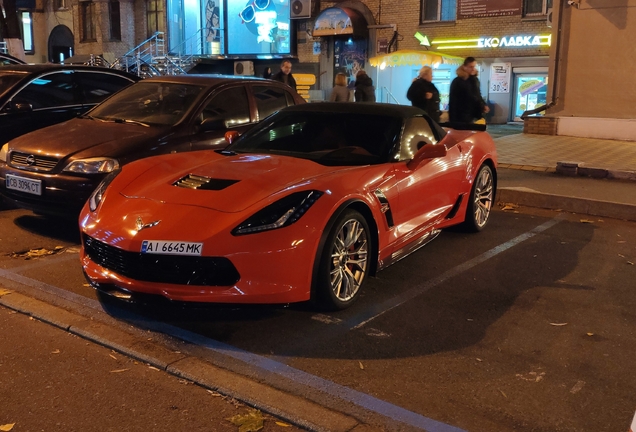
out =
column 344, row 262
column 480, row 201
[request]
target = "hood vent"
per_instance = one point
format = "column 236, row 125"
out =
column 192, row 181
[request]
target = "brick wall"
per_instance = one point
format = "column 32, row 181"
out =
column 540, row 125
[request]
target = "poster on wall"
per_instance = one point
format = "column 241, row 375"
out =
column 258, row 27
column 488, row 8
column 349, row 57
column 500, row 78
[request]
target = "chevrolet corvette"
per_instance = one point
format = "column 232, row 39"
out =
column 303, row 207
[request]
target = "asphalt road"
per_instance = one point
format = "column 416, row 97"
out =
column 527, row 326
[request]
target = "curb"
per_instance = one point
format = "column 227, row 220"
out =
column 296, row 410
column 532, row 198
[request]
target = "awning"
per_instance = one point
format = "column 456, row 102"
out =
column 336, row 21
column 415, row 58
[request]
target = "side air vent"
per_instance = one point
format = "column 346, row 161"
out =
column 192, row 181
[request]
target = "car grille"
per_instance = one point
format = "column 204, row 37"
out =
column 192, row 181
column 28, row 160
column 171, row 269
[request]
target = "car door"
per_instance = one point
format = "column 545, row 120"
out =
column 225, row 109
column 270, row 98
column 53, row 98
column 428, row 191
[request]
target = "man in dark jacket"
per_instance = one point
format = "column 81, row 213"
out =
column 423, row 93
column 465, row 104
column 364, row 90
column 285, row 76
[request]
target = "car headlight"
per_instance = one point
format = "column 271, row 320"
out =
column 93, row 166
column 282, row 213
column 3, row 153
column 98, row 194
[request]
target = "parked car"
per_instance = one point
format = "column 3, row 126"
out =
column 54, row 170
column 38, row 95
column 8, row 59
column 304, row 206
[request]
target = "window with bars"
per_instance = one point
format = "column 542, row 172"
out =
column 115, row 20
column 87, row 17
column 536, row 7
column 439, row 10
column 155, row 17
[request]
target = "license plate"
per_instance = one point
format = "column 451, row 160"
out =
column 22, row 184
column 171, row 247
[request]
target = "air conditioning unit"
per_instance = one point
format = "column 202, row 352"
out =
column 244, row 67
column 300, row 9
column 549, row 17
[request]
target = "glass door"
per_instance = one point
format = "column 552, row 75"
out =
column 530, row 93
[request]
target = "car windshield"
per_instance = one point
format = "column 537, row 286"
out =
column 8, row 79
column 340, row 139
column 152, row 103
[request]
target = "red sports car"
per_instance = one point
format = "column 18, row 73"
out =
column 302, row 207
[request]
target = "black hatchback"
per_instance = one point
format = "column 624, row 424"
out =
column 33, row 96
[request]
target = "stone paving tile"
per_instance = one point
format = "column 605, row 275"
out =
column 546, row 150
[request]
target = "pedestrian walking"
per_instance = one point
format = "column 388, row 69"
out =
column 364, row 90
column 423, row 94
column 340, row 92
column 285, row 76
column 465, row 103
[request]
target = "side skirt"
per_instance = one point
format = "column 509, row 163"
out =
column 409, row 249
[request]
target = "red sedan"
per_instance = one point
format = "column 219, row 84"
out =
column 303, row 207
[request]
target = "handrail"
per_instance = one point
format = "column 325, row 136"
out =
column 388, row 93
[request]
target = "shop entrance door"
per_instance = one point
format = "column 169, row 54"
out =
column 530, row 93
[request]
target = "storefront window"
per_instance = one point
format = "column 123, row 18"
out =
column 531, row 92
column 536, row 7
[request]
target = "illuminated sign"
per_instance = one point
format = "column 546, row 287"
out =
column 494, row 42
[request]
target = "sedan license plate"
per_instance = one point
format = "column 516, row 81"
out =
column 22, row 184
column 171, row 247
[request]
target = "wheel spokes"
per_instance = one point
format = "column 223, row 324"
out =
column 483, row 197
column 349, row 260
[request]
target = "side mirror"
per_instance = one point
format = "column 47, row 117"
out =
column 231, row 136
column 426, row 152
column 208, row 125
column 21, row 107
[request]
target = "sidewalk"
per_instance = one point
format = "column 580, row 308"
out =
column 581, row 175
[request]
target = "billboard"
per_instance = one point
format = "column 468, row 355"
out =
column 487, row 8
column 258, row 27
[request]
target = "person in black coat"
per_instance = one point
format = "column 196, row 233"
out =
column 465, row 104
column 285, row 76
column 424, row 95
column 364, row 90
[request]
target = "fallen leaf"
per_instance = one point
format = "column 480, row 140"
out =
column 57, row 351
column 590, row 334
column 621, row 255
column 7, row 427
column 630, row 263
column 4, row 292
column 586, row 221
column 119, row 370
column 478, row 359
column 621, row 241
column 113, row 356
column 361, row 366
column 558, row 324
column 35, row 253
column 153, row 368
column 281, row 424
column 504, row 395
column 250, row 422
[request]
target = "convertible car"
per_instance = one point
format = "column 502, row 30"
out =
column 305, row 206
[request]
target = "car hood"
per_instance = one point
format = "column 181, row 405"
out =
column 232, row 183
column 84, row 138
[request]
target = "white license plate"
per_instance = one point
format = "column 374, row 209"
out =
column 171, row 247
column 24, row 184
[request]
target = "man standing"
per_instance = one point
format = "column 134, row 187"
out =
column 465, row 103
column 285, row 76
column 423, row 93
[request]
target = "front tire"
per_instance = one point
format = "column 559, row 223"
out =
column 344, row 262
column 480, row 202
